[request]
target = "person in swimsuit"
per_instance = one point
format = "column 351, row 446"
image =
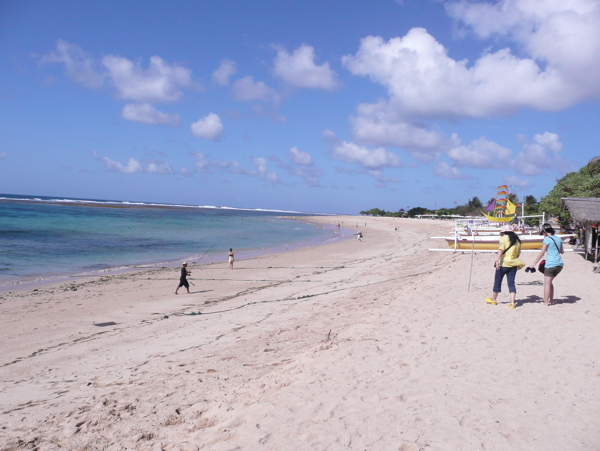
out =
column 230, row 258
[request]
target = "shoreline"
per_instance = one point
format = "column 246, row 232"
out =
column 24, row 284
column 378, row 344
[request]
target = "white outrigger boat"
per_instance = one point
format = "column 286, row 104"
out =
column 483, row 234
column 492, row 242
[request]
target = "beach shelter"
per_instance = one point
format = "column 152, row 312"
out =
column 586, row 212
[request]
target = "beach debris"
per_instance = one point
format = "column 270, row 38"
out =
column 109, row 323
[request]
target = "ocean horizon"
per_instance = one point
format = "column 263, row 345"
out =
column 46, row 238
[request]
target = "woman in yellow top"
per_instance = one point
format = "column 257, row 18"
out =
column 507, row 263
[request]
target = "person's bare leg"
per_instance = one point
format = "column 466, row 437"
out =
column 548, row 290
column 551, row 297
column 513, row 297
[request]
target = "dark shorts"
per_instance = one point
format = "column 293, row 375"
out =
column 553, row 271
column 183, row 283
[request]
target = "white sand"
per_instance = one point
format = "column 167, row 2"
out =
column 377, row 345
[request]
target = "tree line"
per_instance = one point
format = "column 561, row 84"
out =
column 582, row 183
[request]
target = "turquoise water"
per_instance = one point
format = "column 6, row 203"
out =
column 43, row 237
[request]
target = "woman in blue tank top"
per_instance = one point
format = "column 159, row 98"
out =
column 553, row 248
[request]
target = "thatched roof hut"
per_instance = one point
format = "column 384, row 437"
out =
column 586, row 212
column 583, row 209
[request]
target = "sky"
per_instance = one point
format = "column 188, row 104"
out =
column 332, row 106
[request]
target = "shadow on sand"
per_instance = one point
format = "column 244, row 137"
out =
column 533, row 282
column 567, row 300
column 531, row 299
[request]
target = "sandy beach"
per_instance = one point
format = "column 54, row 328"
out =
column 372, row 345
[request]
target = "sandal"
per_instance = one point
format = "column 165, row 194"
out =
column 491, row 301
column 512, row 305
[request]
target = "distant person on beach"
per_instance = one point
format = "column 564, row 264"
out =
column 507, row 263
column 552, row 247
column 230, row 255
column 183, row 282
column 359, row 236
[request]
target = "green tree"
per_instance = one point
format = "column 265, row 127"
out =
column 374, row 212
column 530, row 201
column 531, row 208
column 416, row 211
column 513, row 198
column 475, row 203
column 583, row 183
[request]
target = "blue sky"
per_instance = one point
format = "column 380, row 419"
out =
column 319, row 106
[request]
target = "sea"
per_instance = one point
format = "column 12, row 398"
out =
column 45, row 239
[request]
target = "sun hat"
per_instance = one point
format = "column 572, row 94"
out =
column 185, row 263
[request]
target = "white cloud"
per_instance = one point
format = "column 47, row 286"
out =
column 443, row 169
column 205, row 163
column 299, row 157
column 480, row 153
column 247, row 90
column 81, row 67
column 540, row 154
column 375, row 125
column 377, row 174
column 158, row 167
column 368, row 158
column 564, row 35
column 224, row 72
column 557, row 46
column 560, row 42
column 330, row 135
column 133, row 165
column 303, row 166
column 202, row 163
column 422, row 80
column 381, row 177
column 513, row 180
column 160, row 82
column 262, row 172
column 208, row 127
column 145, row 112
column 299, row 69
